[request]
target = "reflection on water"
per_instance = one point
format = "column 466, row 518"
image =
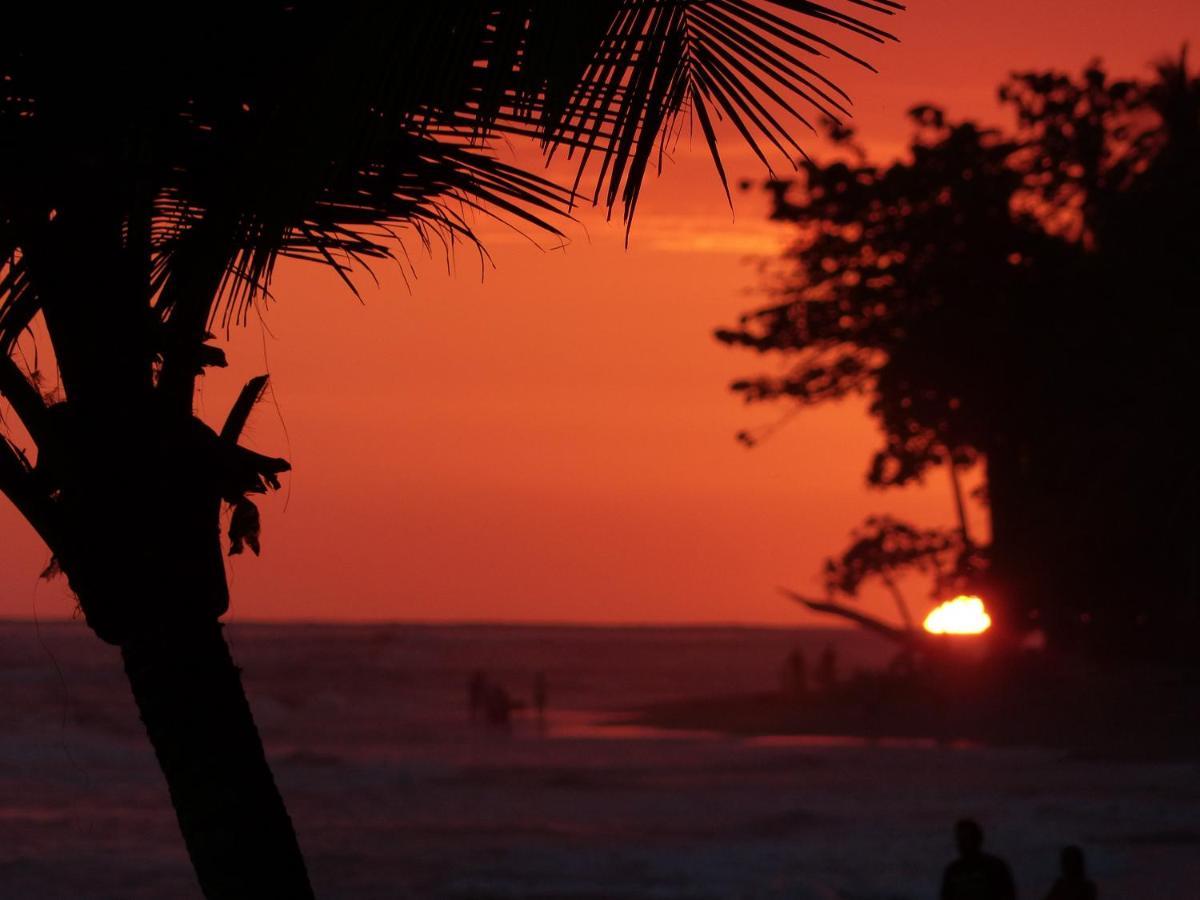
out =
column 584, row 725
column 581, row 724
column 846, row 740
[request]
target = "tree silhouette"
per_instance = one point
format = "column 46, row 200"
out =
column 155, row 170
column 887, row 549
column 1024, row 297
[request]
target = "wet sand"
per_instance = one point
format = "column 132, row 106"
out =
column 1135, row 713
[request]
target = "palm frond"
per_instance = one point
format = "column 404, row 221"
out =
column 321, row 131
column 743, row 61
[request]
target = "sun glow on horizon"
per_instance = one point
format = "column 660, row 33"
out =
column 962, row 615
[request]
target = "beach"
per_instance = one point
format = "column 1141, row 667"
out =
column 396, row 793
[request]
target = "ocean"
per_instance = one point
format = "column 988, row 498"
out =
column 396, row 793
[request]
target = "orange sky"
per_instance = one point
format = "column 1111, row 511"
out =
column 555, row 442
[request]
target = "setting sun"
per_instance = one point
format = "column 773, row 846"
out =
column 962, row 615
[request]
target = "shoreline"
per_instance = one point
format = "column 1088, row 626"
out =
column 1161, row 728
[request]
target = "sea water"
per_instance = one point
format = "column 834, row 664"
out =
column 396, row 793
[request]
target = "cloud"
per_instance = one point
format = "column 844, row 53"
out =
column 709, row 234
column 663, row 233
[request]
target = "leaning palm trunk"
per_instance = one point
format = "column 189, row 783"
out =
column 190, row 698
column 136, row 530
column 238, row 834
column 127, row 493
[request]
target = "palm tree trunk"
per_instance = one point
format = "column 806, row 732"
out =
column 127, row 491
column 143, row 555
column 238, row 833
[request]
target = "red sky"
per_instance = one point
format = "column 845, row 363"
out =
column 554, row 441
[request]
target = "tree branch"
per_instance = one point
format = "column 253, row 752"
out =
column 869, row 622
column 901, row 603
column 959, row 507
column 240, row 412
column 18, row 484
column 26, row 402
column 198, row 271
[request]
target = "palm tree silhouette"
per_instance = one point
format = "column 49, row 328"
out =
column 155, row 169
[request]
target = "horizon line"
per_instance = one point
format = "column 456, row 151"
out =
column 471, row 623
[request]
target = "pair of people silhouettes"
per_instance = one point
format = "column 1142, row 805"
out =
column 976, row 875
column 493, row 702
column 490, row 700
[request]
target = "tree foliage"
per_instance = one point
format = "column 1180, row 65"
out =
column 1024, row 296
column 313, row 130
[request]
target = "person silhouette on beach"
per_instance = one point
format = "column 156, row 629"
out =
column 477, row 688
column 976, row 875
column 795, row 674
column 541, row 695
column 1073, row 883
column 826, row 674
column 498, row 707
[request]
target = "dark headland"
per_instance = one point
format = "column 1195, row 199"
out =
column 1138, row 712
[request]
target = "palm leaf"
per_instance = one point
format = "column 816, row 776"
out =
column 327, row 132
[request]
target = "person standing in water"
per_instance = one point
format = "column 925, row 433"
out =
column 477, row 688
column 498, row 706
column 1073, row 883
column 541, row 695
column 826, row 674
column 795, row 675
column 976, row 875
